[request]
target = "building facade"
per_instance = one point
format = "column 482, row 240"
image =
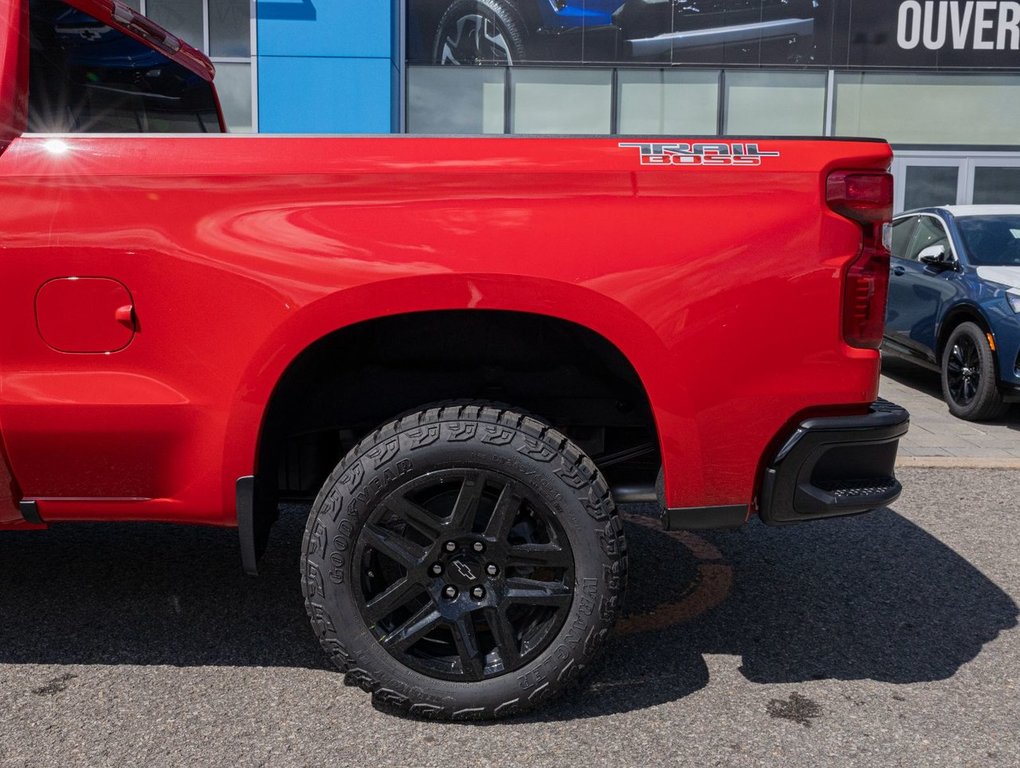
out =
column 940, row 79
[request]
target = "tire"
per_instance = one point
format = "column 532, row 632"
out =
column 464, row 561
column 479, row 32
column 969, row 384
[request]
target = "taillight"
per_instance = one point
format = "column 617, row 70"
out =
column 865, row 197
column 865, row 289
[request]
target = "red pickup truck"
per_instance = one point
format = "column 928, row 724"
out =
column 462, row 351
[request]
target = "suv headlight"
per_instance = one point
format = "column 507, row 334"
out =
column 1013, row 297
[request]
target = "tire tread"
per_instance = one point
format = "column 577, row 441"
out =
column 593, row 494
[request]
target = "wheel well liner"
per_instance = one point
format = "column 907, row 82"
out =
column 350, row 381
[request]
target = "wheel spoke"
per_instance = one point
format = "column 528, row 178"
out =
column 396, row 548
column 464, row 636
column 505, row 636
column 414, row 515
column 504, row 513
column 532, row 592
column 463, row 573
column 538, row 556
column 463, row 516
column 969, row 390
column 424, row 620
column 393, row 597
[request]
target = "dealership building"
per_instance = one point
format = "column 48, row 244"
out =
column 939, row 79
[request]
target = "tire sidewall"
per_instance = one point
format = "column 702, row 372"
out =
column 986, row 402
column 367, row 476
column 504, row 17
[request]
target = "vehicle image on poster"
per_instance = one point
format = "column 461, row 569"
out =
column 463, row 352
column 954, row 299
column 515, row 31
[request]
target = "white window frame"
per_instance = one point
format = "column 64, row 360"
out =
column 967, row 162
column 252, row 60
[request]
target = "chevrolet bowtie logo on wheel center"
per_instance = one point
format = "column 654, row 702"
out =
column 464, row 570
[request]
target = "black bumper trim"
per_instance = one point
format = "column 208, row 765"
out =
column 245, row 501
column 30, row 511
column 834, row 466
column 704, row 518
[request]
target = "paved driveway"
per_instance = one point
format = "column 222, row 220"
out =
column 936, row 437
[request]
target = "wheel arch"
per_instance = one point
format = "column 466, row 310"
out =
column 336, row 321
column 959, row 314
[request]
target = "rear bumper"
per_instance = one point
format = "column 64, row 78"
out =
column 834, row 466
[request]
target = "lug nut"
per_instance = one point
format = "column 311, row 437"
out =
column 450, row 592
column 436, row 569
column 477, row 593
column 450, row 546
column 491, row 569
column 478, row 546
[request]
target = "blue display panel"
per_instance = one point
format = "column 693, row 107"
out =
column 327, row 66
column 305, row 94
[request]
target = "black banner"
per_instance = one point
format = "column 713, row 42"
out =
column 927, row 34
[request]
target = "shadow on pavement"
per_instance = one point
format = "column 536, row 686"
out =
column 913, row 376
column 928, row 382
column 873, row 597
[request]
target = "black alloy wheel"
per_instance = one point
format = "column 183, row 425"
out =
column 464, row 574
column 464, row 561
column 969, row 384
column 479, row 32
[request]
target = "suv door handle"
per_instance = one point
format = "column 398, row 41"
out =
column 898, row 270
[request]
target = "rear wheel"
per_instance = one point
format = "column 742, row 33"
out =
column 969, row 383
column 463, row 561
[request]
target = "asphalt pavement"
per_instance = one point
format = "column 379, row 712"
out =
column 888, row 639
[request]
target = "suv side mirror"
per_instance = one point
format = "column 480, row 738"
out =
column 935, row 256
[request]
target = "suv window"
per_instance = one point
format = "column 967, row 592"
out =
column 929, row 232
column 85, row 76
column 901, row 232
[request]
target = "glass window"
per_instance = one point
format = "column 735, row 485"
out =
column 222, row 29
column 992, row 240
column 999, row 186
column 929, row 232
column 561, row 101
column 901, row 232
column 230, row 28
column 668, row 102
column 927, row 185
column 928, row 108
column 85, row 76
column 775, row 103
column 456, row 100
column 233, row 84
column 182, row 17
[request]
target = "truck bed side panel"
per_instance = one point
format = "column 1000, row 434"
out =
column 720, row 284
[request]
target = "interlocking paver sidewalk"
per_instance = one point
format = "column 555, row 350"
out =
column 936, row 437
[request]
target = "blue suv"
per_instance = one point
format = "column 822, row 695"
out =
column 954, row 302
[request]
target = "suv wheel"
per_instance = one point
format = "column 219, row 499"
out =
column 463, row 562
column 479, row 32
column 968, row 375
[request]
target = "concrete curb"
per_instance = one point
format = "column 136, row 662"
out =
column 955, row 462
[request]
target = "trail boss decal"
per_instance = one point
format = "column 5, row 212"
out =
column 700, row 154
